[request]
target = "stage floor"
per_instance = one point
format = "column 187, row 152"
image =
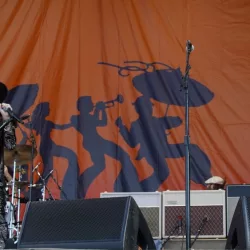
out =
column 217, row 244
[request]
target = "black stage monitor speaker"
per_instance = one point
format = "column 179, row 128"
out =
column 107, row 223
column 239, row 232
column 233, row 194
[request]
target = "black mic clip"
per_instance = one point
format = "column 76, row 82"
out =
column 189, row 46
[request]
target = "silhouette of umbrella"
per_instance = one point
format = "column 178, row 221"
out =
column 164, row 86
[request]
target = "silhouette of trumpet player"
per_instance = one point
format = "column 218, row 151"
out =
column 86, row 123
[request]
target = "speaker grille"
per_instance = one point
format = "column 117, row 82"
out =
column 79, row 220
column 151, row 215
column 214, row 226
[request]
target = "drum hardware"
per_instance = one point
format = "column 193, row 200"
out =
column 33, row 154
column 18, row 184
column 21, row 154
column 17, row 157
column 18, row 202
column 44, row 187
column 36, row 186
column 11, row 222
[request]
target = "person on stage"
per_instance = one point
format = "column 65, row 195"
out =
column 215, row 183
column 8, row 142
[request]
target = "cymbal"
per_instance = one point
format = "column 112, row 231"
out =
column 35, row 186
column 19, row 184
column 21, row 153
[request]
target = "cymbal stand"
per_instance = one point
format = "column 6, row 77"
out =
column 11, row 226
column 33, row 143
column 19, row 203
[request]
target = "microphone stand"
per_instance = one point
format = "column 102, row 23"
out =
column 44, row 180
column 44, row 185
column 184, row 85
column 33, row 146
column 59, row 187
column 204, row 221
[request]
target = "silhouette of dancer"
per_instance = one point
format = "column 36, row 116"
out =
column 86, row 124
column 149, row 132
column 48, row 149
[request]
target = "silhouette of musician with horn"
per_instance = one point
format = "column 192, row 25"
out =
column 111, row 103
column 86, row 123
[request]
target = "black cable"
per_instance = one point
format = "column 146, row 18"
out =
column 204, row 221
column 171, row 234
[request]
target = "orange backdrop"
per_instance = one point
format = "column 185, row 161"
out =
column 58, row 45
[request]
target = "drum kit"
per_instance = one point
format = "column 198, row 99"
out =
column 16, row 158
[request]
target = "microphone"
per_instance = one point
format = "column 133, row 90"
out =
column 24, row 117
column 189, row 46
column 36, row 167
column 180, row 223
column 13, row 115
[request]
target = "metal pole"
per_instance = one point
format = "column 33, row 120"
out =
column 33, row 144
column 189, row 48
column 11, row 227
column 187, row 171
column 19, row 202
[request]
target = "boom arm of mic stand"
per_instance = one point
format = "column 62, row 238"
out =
column 33, row 142
column 60, row 188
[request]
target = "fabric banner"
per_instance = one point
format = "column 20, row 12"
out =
column 102, row 82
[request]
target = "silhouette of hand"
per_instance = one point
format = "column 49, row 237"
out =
column 100, row 106
column 118, row 122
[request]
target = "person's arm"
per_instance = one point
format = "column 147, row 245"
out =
column 9, row 130
column 9, row 136
column 7, row 174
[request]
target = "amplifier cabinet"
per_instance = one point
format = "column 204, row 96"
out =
column 207, row 208
column 233, row 194
column 150, row 204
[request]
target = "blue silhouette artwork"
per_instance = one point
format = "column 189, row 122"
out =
column 22, row 97
column 48, row 149
column 150, row 132
column 86, row 123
